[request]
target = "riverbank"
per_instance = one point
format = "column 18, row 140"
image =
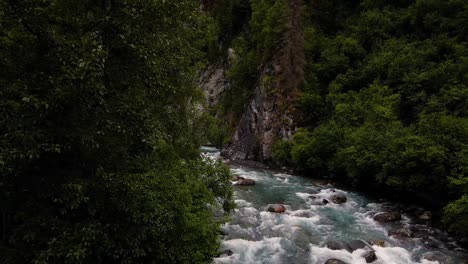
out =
column 306, row 230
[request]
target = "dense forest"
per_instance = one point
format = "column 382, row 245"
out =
column 102, row 115
column 99, row 136
column 383, row 98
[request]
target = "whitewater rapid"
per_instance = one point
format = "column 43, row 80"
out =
column 254, row 235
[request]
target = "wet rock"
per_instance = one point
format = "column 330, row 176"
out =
column 338, row 245
column 370, row 256
column 313, row 197
column 358, row 244
column 277, row 208
column 245, row 182
column 427, row 215
column 387, row 217
column 322, row 182
column 401, row 233
column 237, row 178
column 226, row 253
column 335, row 261
column 325, row 201
column 338, row 198
column 223, row 232
column 434, row 256
column 305, row 214
column 380, row 243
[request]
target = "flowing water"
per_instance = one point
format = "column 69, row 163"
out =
column 297, row 236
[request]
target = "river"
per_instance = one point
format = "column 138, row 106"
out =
column 300, row 235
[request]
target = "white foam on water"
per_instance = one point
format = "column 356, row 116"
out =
column 268, row 250
column 248, row 215
column 285, row 225
column 242, row 203
column 365, row 220
column 304, row 196
column 283, row 175
column 385, row 255
column 254, row 175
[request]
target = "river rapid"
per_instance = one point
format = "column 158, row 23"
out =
column 301, row 234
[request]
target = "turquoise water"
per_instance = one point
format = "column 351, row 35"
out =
column 298, row 236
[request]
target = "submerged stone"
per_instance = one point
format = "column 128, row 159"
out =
column 370, row 256
column 277, row 208
column 357, row 244
column 338, row 245
column 401, row 233
column 245, row 182
column 387, row 217
column 338, row 198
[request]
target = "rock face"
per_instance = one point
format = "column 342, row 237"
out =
column 245, row 182
column 338, row 198
column 265, row 120
column 213, row 83
column 387, row 217
column 277, row 208
column 270, row 113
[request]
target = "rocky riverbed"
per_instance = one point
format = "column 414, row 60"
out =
column 290, row 219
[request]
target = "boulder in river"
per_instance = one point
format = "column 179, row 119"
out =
column 325, row 201
column 237, row 178
column 305, row 214
column 427, row 215
column 387, row 217
column 277, row 208
column 401, row 233
column 335, row 261
column 245, row 182
column 226, row 253
column 434, row 256
column 338, row 198
column 380, row 243
column 358, row 244
column 370, row 256
column 338, row 245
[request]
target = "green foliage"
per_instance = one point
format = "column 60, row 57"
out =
column 243, row 76
column 229, row 18
column 456, row 215
column 268, row 23
column 98, row 142
column 282, row 152
column 385, row 98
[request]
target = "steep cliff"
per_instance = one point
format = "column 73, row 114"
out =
column 270, row 114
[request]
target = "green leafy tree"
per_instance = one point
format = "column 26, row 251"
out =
column 98, row 158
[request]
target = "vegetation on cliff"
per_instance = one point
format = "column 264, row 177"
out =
column 384, row 96
column 385, row 99
column 99, row 159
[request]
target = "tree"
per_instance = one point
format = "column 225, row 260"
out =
column 98, row 161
